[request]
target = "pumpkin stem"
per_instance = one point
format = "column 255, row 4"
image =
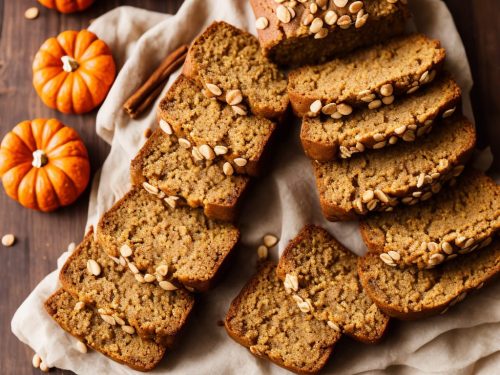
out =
column 69, row 64
column 39, row 159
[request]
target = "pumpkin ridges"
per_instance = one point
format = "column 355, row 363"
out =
column 13, row 142
column 63, row 100
column 9, row 160
column 13, row 177
column 71, row 148
column 50, row 89
column 52, row 126
column 47, row 59
column 99, row 92
column 64, row 186
column 46, row 197
column 63, row 135
column 67, row 40
column 95, row 49
column 83, row 100
column 78, row 175
column 43, row 76
column 26, row 189
column 100, row 67
column 52, row 48
column 84, row 40
column 23, row 131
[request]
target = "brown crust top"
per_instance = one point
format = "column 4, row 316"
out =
column 112, row 341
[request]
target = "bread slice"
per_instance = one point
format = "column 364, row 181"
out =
column 325, row 138
column 368, row 77
column 411, row 293
column 224, row 58
column 327, row 276
column 84, row 322
column 192, row 246
column 94, row 278
column 164, row 164
column 294, row 43
column 268, row 322
column 458, row 221
column 404, row 173
column 206, row 121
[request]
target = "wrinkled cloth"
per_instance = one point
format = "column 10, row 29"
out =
column 464, row 341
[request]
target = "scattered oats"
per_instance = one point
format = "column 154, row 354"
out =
column 322, row 33
column 420, row 180
column 283, row 14
column 31, row 13
column 207, row 152
column 171, row 201
column 123, row 261
column 344, row 109
column 133, row 268
column 108, row 319
column 167, row 285
column 81, row 347
column 304, row 307
column 8, row 240
column 331, row 17
column 184, row 143
column 386, row 258
column 460, row 240
column 261, row 23
column 128, row 329
column 394, row 255
column 486, row 242
column 426, row 196
column 458, row 170
column 333, row 326
column 360, row 20
column 387, row 90
column 449, row 112
column 375, row 104
column 424, row 76
column 340, row 3
column 93, row 267
column 228, row 169
column 329, row 109
column 79, row 306
column 355, row 7
column 367, row 196
column 150, row 188
column 388, row 100
column 393, row 140
column 240, row 162
column 381, row 196
column 316, row 26
column 139, row 278
column 360, row 147
column 400, row 130
column 149, row 278
column 214, row 89
column 197, row 154
column 377, row 137
column 36, row 361
column 220, row 150
column 125, row 250
column 119, row 320
column 409, row 136
column 162, row 270
column 165, row 126
column 315, row 106
column 432, row 246
column 412, row 90
column 372, row 204
column 436, row 259
column 291, row 282
column 447, row 248
column 234, row 97
column 336, row 115
column 262, row 252
column 379, row 145
column 239, row 109
column 313, row 8
column 270, row 240
column 344, row 22
column 469, row 242
column 417, row 194
column 308, row 19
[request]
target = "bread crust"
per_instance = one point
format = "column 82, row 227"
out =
column 226, row 211
column 334, row 212
column 399, row 312
column 286, row 262
column 291, row 45
column 301, row 102
column 328, row 151
column 149, row 366
column 242, row 340
column 191, row 70
column 165, row 337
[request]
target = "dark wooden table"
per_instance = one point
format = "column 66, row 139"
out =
column 42, row 237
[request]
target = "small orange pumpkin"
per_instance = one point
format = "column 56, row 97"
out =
column 43, row 164
column 73, row 72
column 67, row 6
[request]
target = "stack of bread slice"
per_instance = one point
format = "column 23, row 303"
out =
column 127, row 290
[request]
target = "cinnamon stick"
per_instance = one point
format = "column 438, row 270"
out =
column 149, row 91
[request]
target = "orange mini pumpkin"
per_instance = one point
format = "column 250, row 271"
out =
column 73, row 72
column 67, row 6
column 43, row 164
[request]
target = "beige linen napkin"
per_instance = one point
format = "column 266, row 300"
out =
column 464, row 341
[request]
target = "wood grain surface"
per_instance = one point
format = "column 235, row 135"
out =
column 42, row 237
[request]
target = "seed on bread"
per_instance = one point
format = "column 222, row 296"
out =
column 167, row 285
column 93, row 267
column 261, row 23
column 165, row 126
column 125, row 250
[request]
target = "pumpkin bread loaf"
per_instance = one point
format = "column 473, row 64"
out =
column 458, row 221
column 369, row 77
column 412, row 293
column 229, row 64
column 321, row 272
column 184, row 243
column 213, row 128
column 120, row 343
column 404, row 173
column 266, row 320
column 94, row 278
column 168, row 169
column 325, row 138
column 303, row 32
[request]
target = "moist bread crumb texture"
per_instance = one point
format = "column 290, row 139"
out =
column 327, row 279
column 403, row 174
column 189, row 244
column 205, row 121
column 268, row 322
column 370, row 77
column 325, row 138
column 83, row 322
column 224, row 58
column 173, row 174
column 460, row 220
column 411, row 293
column 298, row 33
column 96, row 279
